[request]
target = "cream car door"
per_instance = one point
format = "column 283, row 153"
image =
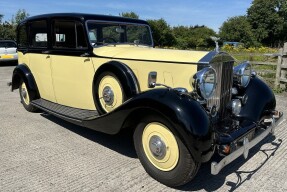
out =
column 72, row 73
column 40, row 60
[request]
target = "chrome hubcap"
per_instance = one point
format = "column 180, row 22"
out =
column 157, row 147
column 108, row 95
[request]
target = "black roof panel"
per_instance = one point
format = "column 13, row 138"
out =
column 85, row 16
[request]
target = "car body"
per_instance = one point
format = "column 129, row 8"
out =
column 8, row 51
column 103, row 72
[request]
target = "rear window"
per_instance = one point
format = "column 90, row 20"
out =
column 38, row 34
column 8, row 44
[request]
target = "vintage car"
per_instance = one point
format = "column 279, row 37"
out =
column 8, row 51
column 103, row 73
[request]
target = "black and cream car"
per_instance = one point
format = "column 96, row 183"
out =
column 103, row 73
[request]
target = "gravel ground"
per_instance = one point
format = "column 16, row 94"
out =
column 39, row 152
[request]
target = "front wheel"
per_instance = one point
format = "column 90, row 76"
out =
column 163, row 154
column 25, row 97
column 109, row 92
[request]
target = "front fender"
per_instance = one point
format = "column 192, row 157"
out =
column 188, row 118
column 261, row 100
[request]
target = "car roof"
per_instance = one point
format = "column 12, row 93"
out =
column 85, row 16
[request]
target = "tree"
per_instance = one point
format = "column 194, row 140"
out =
column 238, row 29
column 267, row 20
column 162, row 33
column 8, row 28
column 20, row 15
column 131, row 14
column 193, row 37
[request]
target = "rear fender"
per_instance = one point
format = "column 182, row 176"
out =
column 22, row 71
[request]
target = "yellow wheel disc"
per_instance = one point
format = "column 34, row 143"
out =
column 160, row 146
column 110, row 93
column 25, row 94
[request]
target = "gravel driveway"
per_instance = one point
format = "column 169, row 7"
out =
column 39, row 152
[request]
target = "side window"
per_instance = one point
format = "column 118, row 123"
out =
column 22, row 36
column 69, row 34
column 38, row 34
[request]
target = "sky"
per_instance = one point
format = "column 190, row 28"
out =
column 211, row 13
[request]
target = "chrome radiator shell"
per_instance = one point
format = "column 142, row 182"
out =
column 223, row 65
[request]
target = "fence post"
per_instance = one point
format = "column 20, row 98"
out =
column 283, row 67
column 278, row 69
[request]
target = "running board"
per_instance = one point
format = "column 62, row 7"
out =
column 65, row 112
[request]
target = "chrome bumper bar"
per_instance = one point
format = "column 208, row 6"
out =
column 244, row 150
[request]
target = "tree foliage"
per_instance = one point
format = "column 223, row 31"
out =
column 162, row 33
column 193, row 37
column 268, row 21
column 238, row 29
column 131, row 14
column 8, row 28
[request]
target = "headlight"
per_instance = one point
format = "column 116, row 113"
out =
column 205, row 82
column 242, row 74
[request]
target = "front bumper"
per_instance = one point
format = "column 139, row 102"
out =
column 247, row 145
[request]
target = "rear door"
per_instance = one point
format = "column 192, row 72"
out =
column 40, row 59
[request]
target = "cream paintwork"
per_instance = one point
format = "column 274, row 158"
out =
column 68, row 80
column 170, row 160
column 168, row 72
column 73, row 80
column 40, row 66
column 115, row 86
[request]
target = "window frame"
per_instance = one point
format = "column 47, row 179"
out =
column 30, row 34
column 18, row 36
column 75, row 21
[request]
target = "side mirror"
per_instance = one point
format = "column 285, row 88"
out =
column 152, row 79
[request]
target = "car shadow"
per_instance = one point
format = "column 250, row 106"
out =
column 205, row 180
column 121, row 143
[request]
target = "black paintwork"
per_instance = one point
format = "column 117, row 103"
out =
column 22, row 71
column 261, row 100
column 187, row 116
column 84, row 17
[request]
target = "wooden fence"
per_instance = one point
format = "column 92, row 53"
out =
column 281, row 80
column 276, row 62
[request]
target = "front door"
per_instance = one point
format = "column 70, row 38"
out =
column 72, row 73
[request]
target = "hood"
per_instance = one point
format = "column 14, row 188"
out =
column 131, row 52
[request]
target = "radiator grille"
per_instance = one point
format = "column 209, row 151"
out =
column 223, row 90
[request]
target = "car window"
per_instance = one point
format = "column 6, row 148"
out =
column 8, row 44
column 38, row 34
column 69, row 34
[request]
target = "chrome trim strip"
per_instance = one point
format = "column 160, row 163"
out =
column 247, row 145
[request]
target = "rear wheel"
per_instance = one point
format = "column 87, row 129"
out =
column 25, row 97
column 163, row 154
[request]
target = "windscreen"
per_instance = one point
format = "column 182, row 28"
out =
column 101, row 33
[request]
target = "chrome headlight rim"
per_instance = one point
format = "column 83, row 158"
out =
column 200, row 81
column 239, row 74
